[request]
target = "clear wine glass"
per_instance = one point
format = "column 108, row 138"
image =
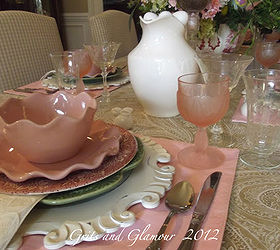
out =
column 267, row 53
column 202, row 99
column 103, row 55
column 232, row 65
column 193, row 7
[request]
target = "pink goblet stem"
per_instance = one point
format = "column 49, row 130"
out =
column 201, row 140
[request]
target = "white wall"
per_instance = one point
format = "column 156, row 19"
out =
column 75, row 23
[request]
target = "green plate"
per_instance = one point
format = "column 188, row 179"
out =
column 96, row 189
column 98, row 79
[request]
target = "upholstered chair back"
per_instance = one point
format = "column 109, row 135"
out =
column 26, row 40
column 113, row 25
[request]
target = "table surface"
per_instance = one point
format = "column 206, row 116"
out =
column 254, row 211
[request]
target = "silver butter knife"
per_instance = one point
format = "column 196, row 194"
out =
column 204, row 200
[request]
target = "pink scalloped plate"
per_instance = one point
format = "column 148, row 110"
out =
column 107, row 150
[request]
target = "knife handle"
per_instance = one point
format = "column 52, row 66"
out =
column 196, row 222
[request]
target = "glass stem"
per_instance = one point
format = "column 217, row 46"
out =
column 105, row 92
column 80, row 86
column 59, row 77
column 192, row 29
column 217, row 128
column 201, row 140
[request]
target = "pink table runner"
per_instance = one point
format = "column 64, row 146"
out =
column 36, row 85
column 148, row 221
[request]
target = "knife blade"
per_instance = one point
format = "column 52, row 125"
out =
column 34, row 90
column 204, row 201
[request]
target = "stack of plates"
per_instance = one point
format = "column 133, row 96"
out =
column 77, row 185
column 98, row 79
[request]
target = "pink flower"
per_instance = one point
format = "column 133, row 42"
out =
column 172, row 2
column 211, row 10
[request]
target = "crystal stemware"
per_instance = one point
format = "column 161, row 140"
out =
column 202, row 99
column 232, row 65
column 103, row 55
column 66, row 69
column 193, row 7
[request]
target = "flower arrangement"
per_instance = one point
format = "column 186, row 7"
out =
column 222, row 12
column 155, row 6
column 259, row 16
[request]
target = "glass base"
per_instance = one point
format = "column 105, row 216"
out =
column 212, row 157
column 220, row 136
column 223, row 140
column 105, row 97
column 260, row 161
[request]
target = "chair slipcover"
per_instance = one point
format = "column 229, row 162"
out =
column 26, row 40
column 113, row 25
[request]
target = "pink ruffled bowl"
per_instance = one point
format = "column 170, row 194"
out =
column 47, row 128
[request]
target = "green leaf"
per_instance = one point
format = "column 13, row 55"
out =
column 131, row 15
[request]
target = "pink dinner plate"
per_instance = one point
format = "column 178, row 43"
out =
column 107, row 150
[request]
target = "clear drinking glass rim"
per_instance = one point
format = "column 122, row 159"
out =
column 267, row 42
column 248, row 74
column 62, row 53
column 245, row 58
column 101, row 43
column 225, row 78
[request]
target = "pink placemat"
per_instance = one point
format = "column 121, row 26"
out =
column 148, row 221
column 38, row 85
column 238, row 116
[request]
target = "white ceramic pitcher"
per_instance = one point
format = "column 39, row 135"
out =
column 158, row 60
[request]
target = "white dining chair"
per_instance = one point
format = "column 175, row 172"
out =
column 26, row 40
column 113, row 25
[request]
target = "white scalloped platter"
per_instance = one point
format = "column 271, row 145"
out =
column 147, row 184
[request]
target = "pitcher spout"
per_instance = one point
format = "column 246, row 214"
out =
column 150, row 17
column 182, row 17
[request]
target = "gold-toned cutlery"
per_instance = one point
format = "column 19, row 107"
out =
column 204, row 201
column 178, row 200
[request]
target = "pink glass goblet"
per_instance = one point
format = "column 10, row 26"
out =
column 202, row 99
column 84, row 61
column 267, row 53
